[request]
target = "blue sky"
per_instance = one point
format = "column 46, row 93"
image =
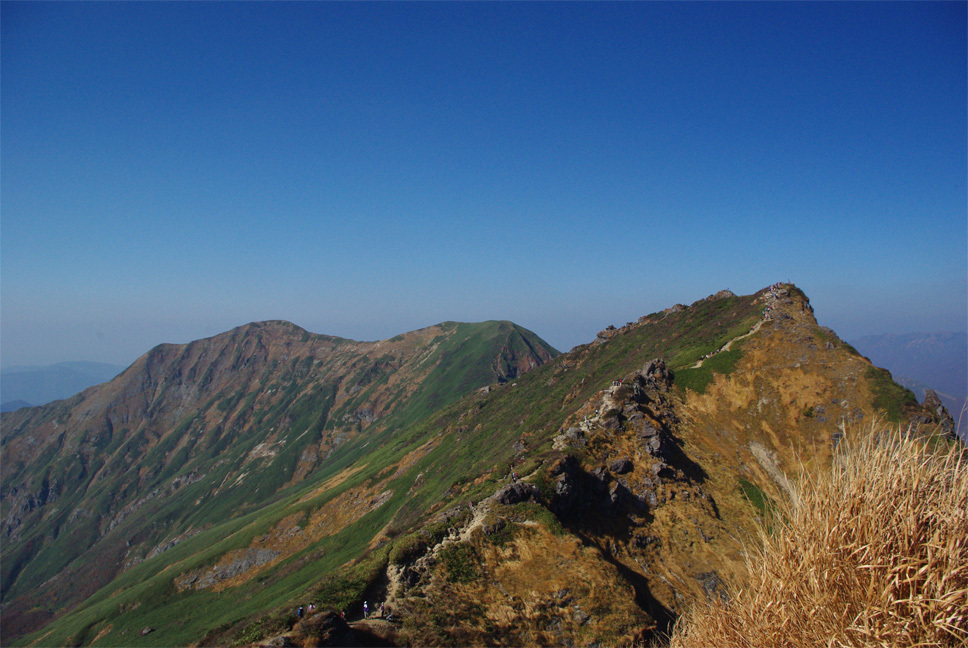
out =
column 171, row 170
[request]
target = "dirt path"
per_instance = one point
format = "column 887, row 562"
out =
column 729, row 344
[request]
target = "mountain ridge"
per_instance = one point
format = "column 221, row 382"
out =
column 669, row 463
column 183, row 405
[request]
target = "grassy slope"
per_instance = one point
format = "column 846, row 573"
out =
column 483, row 441
column 472, row 442
column 871, row 552
column 306, row 407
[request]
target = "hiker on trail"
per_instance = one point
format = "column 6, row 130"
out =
column 366, row 609
column 342, row 615
column 382, row 611
column 299, row 611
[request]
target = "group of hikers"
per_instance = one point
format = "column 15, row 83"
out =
column 384, row 611
column 768, row 311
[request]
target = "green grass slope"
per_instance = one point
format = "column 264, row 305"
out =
column 194, row 436
column 377, row 496
column 469, row 446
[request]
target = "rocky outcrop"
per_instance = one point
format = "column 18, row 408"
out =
column 239, row 563
column 933, row 403
column 517, row 492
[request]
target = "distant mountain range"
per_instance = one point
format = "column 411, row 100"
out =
column 23, row 386
column 919, row 361
column 490, row 490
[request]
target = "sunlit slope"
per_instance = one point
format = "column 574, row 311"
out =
column 643, row 457
column 192, row 435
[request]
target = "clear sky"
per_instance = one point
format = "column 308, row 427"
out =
column 171, row 170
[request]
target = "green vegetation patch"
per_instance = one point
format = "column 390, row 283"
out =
column 754, row 495
column 765, row 506
column 698, row 379
column 889, row 397
column 408, row 548
column 460, row 561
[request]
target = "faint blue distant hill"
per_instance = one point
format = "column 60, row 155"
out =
column 21, row 386
column 10, row 406
column 922, row 360
column 939, row 360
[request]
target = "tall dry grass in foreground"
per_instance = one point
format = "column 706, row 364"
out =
column 873, row 552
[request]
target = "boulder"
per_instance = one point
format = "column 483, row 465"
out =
column 572, row 437
column 617, row 493
column 647, row 430
column 566, row 465
column 620, row 466
column 517, row 492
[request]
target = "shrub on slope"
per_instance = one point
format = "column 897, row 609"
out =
column 872, row 553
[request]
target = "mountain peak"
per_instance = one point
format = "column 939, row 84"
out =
column 462, row 472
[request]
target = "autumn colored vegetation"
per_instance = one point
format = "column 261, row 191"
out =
column 870, row 552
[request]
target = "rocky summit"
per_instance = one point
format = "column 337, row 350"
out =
column 261, row 486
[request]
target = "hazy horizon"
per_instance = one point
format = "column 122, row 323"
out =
column 169, row 171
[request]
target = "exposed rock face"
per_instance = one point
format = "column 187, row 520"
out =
column 517, row 492
column 933, row 402
column 239, row 565
column 620, row 466
column 642, row 486
column 635, row 413
column 199, row 432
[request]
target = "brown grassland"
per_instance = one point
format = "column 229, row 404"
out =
column 872, row 551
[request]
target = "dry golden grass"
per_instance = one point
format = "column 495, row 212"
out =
column 871, row 552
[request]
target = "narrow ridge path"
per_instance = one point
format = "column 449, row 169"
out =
column 726, row 347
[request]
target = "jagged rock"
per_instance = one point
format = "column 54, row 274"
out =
column 517, row 492
column 620, row 466
column 618, row 493
column 933, row 402
column 606, row 334
column 661, row 470
column 648, row 430
column 566, row 465
column 631, row 412
column 613, row 423
column 573, row 437
column 600, row 473
column 563, row 489
column 658, row 446
column 650, row 382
